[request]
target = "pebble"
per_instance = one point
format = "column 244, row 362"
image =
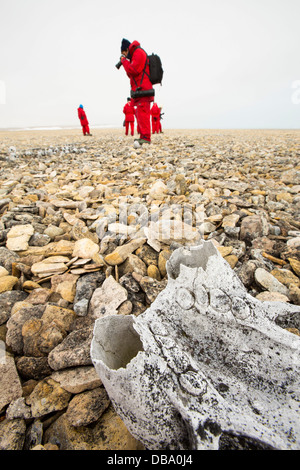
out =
column 11, row 388
column 107, row 298
column 18, row 237
column 86, row 230
column 85, row 248
column 7, row 283
column 120, row 254
column 47, row 397
column 87, row 407
column 78, row 379
column 268, row 282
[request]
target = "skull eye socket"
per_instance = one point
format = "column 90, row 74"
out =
column 116, row 342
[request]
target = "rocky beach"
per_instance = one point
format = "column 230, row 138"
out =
column 87, row 225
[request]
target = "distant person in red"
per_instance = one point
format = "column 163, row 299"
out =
column 155, row 115
column 135, row 62
column 83, row 121
column 129, row 112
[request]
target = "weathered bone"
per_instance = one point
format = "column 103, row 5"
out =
column 206, row 359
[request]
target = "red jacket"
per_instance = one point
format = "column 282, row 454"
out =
column 155, row 111
column 82, row 117
column 135, row 67
column 129, row 112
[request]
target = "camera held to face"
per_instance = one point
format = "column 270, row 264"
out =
column 118, row 65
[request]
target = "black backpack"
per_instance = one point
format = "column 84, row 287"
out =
column 155, row 67
column 156, row 70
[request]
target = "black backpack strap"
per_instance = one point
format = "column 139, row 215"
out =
column 146, row 63
column 144, row 71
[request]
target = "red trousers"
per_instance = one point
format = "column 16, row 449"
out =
column 143, row 119
column 127, row 127
column 156, row 126
column 85, row 129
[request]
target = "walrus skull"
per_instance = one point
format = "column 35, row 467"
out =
column 205, row 360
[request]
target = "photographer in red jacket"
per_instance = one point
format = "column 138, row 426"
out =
column 135, row 62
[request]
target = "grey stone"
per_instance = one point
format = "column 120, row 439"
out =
column 11, row 388
column 15, row 324
column 47, row 397
column 151, row 287
column 107, row 298
column 12, row 434
column 39, row 239
column 77, row 379
column 269, row 282
column 86, row 408
column 7, row 257
column 107, row 433
column 7, row 301
column 85, row 287
column 133, row 263
column 253, row 226
column 33, row 367
column 73, row 351
column 18, row 409
column 81, row 307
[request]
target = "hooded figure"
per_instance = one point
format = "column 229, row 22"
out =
column 135, row 62
column 129, row 112
column 83, row 120
column 155, row 114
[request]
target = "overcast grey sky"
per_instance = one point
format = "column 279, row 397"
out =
column 227, row 63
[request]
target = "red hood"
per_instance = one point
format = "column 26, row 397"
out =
column 133, row 46
column 135, row 66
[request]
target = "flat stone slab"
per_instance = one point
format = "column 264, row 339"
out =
column 11, row 388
